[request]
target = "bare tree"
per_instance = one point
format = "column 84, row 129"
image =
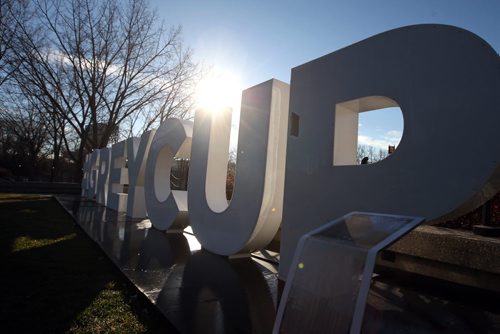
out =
column 97, row 65
column 24, row 135
column 361, row 153
column 373, row 154
column 178, row 103
column 9, row 9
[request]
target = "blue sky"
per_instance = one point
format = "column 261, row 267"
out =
column 263, row 39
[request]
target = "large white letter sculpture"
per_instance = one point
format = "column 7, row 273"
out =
column 254, row 214
column 166, row 207
column 447, row 83
column 137, row 153
column 86, row 176
column 102, row 175
column 118, row 178
column 90, row 175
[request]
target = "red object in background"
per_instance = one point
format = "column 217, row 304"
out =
column 476, row 217
column 495, row 210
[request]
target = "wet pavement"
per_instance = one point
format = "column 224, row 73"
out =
column 199, row 292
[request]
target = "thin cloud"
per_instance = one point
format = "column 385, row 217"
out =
column 394, row 135
column 391, row 137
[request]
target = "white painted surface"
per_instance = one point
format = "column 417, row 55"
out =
column 253, row 216
column 345, row 142
column 172, row 139
column 94, row 173
column 345, row 136
column 85, row 192
column 447, row 83
column 137, row 152
column 103, row 174
column 118, row 177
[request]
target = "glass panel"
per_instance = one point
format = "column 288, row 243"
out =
column 364, row 230
column 326, row 288
column 322, row 295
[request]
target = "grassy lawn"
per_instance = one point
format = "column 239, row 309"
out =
column 54, row 279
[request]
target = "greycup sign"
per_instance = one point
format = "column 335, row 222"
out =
column 445, row 80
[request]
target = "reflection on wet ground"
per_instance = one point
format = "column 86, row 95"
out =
column 199, row 292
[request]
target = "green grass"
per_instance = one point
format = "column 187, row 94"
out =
column 54, row 279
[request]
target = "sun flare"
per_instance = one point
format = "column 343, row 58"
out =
column 218, row 91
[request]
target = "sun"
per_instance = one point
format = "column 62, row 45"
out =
column 218, row 91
